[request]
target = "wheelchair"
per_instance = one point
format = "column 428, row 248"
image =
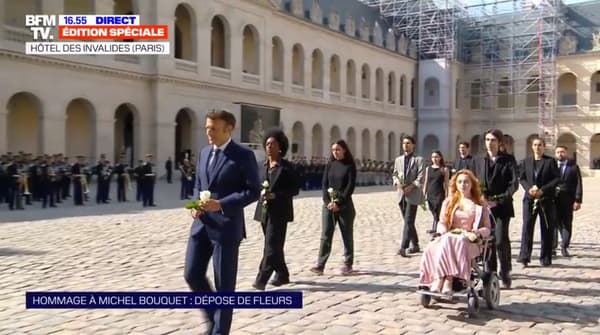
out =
column 484, row 284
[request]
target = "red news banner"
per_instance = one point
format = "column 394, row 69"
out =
column 105, row 32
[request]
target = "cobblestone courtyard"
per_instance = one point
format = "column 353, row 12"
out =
column 121, row 247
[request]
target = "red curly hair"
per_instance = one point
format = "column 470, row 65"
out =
column 454, row 195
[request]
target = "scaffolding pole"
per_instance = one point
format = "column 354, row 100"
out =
column 508, row 47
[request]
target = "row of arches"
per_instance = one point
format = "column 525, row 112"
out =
column 566, row 92
column 384, row 150
column 386, row 85
column 25, row 132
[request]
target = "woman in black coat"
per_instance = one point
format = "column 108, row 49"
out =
column 275, row 208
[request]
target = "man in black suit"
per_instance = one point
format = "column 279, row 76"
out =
column 539, row 178
column 568, row 198
column 228, row 171
column 282, row 187
column 497, row 173
column 464, row 160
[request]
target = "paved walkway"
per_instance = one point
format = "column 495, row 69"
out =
column 122, row 247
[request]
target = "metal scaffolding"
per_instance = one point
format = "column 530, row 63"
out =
column 508, row 48
column 430, row 24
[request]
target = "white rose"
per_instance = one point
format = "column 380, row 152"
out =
column 330, row 190
column 204, row 196
column 265, row 184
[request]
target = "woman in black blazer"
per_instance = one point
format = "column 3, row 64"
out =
column 275, row 208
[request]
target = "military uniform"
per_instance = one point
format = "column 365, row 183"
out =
column 122, row 177
column 148, row 179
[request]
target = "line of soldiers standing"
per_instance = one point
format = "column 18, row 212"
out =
column 369, row 172
column 48, row 179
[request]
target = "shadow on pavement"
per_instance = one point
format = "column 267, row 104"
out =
column 559, row 278
column 570, row 292
column 315, row 286
column 18, row 252
column 536, row 313
column 359, row 272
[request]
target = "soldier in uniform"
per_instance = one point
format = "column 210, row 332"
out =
column 99, row 171
column 57, row 176
column 78, row 175
column 122, row 177
column 45, row 180
column 139, row 176
column 148, row 179
column 66, row 182
column 186, row 179
column 169, row 168
column 4, row 180
column 33, row 179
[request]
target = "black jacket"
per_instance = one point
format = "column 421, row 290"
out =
column 571, row 186
column 284, row 184
column 547, row 178
column 502, row 181
column 466, row 163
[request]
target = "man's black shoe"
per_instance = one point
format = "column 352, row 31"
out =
column 414, row 250
column 402, row 252
column 280, row 281
column 506, row 281
column 259, row 286
column 564, row 252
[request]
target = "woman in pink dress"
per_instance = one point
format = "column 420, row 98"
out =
column 464, row 218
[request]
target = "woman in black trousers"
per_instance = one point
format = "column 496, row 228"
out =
column 437, row 177
column 275, row 208
column 339, row 180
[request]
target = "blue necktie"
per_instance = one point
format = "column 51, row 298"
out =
column 213, row 160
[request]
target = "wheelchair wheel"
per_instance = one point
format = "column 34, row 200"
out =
column 491, row 291
column 425, row 300
column 472, row 305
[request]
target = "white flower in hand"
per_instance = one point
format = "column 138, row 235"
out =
column 265, row 184
column 204, row 196
column 471, row 236
column 330, row 190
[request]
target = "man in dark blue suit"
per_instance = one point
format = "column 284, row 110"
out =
column 569, row 194
column 230, row 172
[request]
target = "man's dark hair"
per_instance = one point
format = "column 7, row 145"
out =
column 222, row 115
column 408, row 137
column 280, row 137
column 466, row 144
column 348, row 158
column 562, row 147
column 497, row 133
